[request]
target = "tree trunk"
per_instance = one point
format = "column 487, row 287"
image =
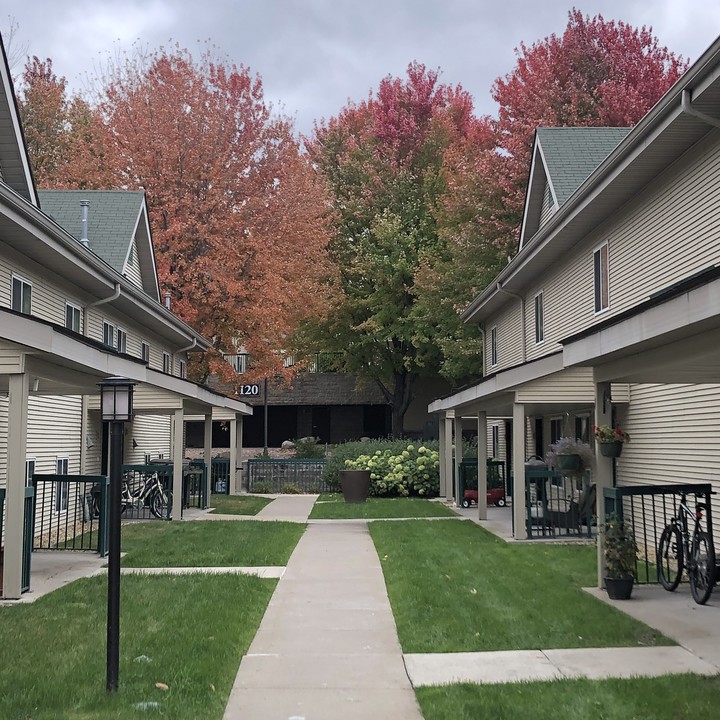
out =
column 402, row 395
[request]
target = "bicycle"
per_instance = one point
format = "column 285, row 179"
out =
column 145, row 489
column 678, row 551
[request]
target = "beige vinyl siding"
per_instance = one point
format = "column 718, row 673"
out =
column 48, row 302
column 674, row 438
column 548, row 205
column 54, row 431
column 93, row 454
column 509, row 338
column 570, row 385
column 132, row 267
column 152, row 435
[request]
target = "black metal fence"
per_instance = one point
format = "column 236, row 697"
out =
column 648, row 509
column 139, row 483
column 220, row 476
column 558, row 505
column 70, row 513
column 287, row 476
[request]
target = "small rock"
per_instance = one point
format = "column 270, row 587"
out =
column 142, row 659
column 287, row 445
column 161, row 686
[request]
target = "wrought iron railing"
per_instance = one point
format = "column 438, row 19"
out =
column 282, row 476
column 220, row 476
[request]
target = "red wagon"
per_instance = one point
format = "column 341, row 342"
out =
column 495, row 496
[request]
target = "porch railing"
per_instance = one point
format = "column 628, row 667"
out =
column 648, row 508
column 294, row 475
column 558, row 505
column 70, row 513
column 220, row 476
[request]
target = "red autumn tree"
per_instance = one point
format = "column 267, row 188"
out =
column 64, row 136
column 237, row 213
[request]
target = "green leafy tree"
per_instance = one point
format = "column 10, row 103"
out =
column 383, row 159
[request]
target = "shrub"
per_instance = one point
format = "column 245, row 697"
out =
column 308, row 447
column 262, row 487
column 292, row 489
column 397, row 468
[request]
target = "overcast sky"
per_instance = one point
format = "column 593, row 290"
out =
column 314, row 55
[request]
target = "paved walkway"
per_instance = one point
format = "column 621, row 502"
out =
column 327, row 647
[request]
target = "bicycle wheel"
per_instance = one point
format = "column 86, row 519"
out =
column 701, row 567
column 159, row 502
column 670, row 558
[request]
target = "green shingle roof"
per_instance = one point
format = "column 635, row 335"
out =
column 571, row 154
column 112, row 218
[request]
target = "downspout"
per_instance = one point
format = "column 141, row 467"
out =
column 690, row 110
column 501, row 289
column 192, row 345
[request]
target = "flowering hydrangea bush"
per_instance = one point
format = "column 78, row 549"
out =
column 411, row 471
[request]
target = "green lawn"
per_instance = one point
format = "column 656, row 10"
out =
column 455, row 587
column 665, row 698
column 222, row 543
column 331, row 506
column 188, row 632
column 238, row 504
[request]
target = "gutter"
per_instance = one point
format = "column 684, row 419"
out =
column 687, row 108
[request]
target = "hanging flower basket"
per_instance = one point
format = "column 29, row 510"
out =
column 568, row 463
column 611, row 449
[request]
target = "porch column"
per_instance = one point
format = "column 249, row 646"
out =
column 235, row 478
column 177, row 454
column 442, row 450
column 482, row 455
column 603, row 469
column 458, row 458
column 207, row 455
column 449, row 422
column 19, row 388
column 518, row 455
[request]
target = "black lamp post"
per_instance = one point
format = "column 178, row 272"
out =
column 116, row 408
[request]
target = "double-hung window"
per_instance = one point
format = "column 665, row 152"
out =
column 21, row 295
column 145, row 352
column 29, row 471
column 183, row 370
column 495, row 441
column 602, row 278
column 121, row 340
column 493, row 347
column 62, row 489
column 72, row 317
column 108, row 334
column 539, row 318
column 167, row 363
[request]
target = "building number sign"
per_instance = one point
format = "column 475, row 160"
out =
column 253, row 390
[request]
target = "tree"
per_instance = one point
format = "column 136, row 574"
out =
column 383, row 159
column 64, row 136
column 237, row 213
column 598, row 72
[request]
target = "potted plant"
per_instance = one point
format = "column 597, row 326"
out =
column 620, row 553
column 610, row 439
column 570, row 455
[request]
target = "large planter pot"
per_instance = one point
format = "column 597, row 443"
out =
column 355, row 485
column 611, row 449
column 619, row 588
column 567, row 463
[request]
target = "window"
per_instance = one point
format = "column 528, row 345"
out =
column 62, row 489
column 167, row 363
column 238, row 362
column 183, row 369
column 72, row 317
column 493, row 347
column 21, row 295
column 29, row 471
column 582, row 427
column 495, row 440
column 602, row 281
column 109, row 334
column 121, row 340
column 145, row 352
column 539, row 318
column 556, row 425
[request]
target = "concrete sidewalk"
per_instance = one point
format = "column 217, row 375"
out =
column 327, row 646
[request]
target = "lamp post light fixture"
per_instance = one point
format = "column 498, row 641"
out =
column 115, row 408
